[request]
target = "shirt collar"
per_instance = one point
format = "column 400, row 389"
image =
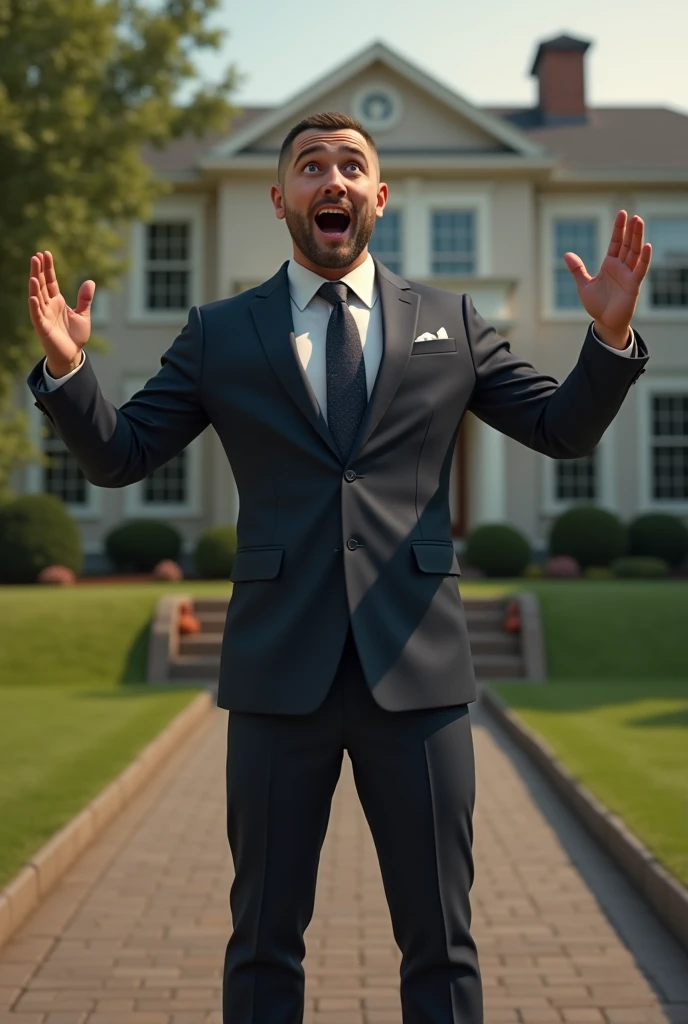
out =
column 304, row 283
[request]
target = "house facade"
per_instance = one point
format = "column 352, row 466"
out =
column 483, row 200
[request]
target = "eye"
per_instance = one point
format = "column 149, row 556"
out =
column 354, row 163
column 311, row 163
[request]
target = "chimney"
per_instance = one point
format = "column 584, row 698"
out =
column 560, row 72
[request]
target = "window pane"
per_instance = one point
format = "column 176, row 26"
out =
column 62, row 476
column 167, row 484
column 670, row 457
column 167, row 289
column 453, row 242
column 668, row 275
column 576, row 479
column 167, row 241
column 572, row 234
column 385, row 242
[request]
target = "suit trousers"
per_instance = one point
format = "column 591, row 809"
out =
column 415, row 777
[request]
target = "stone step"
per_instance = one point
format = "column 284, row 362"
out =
column 194, row 666
column 494, row 642
column 479, row 621
column 498, row 666
column 201, row 643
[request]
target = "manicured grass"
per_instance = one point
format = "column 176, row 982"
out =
column 627, row 740
column 59, row 745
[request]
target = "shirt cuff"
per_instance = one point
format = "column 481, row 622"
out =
column 53, row 383
column 630, row 349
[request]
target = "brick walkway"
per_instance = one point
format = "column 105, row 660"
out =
column 135, row 933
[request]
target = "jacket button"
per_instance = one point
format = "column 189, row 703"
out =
column 352, row 543
column 350, row 475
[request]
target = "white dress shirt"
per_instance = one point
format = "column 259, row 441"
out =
column 310, row 313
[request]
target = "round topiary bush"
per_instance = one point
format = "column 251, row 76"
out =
column 142, row 543
column 591, row 535
column 640, row 567
column 214, row 553
column 498, row 549
column 659, row 535
column 36, row 531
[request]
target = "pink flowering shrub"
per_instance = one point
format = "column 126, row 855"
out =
column 169, row 570
column 60, row 574
column 562, row 567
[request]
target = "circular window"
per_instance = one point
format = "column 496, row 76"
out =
column 377, row 107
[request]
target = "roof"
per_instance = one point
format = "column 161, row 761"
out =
column 612, row 139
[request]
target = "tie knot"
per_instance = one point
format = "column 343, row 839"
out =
column 334, row 291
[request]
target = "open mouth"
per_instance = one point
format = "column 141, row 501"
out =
column 332, row 221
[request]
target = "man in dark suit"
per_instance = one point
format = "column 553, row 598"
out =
column 338, row 389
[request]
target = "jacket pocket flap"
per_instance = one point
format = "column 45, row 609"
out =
column 260, row 563
column 436, row 556
column 433, row 345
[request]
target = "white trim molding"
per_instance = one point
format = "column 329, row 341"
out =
column 585, row 208
column 646, row 387
column 647, row 206
column 187, row 209
column 134, row 504
column 92, row 508
column 420, row 202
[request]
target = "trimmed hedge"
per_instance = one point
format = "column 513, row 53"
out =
column 659, row 535
column 498, row 549
column 640, row 567
column 36, row 531
column 215, row 551
column 591, row 535
column 142, row 543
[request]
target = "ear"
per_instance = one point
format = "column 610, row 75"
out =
column 382, row 196
column 277, row 201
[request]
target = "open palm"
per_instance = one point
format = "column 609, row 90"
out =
column 63, row 331
column 612, row 295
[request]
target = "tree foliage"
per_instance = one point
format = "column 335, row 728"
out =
column 84, row 85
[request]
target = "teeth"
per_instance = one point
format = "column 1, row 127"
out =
column 333, row 209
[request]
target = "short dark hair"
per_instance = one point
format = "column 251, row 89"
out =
column 328, row 121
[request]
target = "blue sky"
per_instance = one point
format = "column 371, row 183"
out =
column 484, row 50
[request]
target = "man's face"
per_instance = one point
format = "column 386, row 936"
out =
column 330, row 196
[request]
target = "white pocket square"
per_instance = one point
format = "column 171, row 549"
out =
column 429, row 337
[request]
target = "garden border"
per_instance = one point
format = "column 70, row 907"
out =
column 667, row 897
column 28, row 888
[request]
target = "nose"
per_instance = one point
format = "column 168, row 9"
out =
column 335, row 184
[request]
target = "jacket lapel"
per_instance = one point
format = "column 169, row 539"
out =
column 399, row 318
column 271, row 312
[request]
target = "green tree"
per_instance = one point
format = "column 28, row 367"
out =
column 84, row 85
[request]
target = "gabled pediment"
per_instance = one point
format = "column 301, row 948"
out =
column 406, row 111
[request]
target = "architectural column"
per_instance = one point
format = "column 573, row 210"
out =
column 487, row 474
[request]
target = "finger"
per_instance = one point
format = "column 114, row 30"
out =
column 617, row 233
column 41, row 277
column 636, row 243
column 36, row 292
column 85, row 296
column 37, row 319
column 626, row 243
column 643, row 265
column 50, row 278
column 577, row 268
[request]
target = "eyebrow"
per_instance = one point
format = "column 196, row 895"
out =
column 318, row 147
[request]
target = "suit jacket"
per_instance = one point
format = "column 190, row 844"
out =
column 322, row 543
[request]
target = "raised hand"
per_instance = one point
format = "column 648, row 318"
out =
column 610, row 298
column 63, row 331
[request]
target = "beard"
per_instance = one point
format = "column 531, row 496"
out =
column 303, row 232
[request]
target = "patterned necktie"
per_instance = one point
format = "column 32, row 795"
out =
column 347, row 394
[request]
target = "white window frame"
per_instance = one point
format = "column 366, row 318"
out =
column 606, row 498
column 33, row 479
column 583, row 209
column 395, row 206
column 419, row 205
column 134, row 505
column 660, row 206
column 187, row 209
column 646, row 389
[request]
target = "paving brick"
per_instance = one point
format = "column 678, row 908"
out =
column 135, row 932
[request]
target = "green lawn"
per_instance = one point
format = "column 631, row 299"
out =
column 73, row 710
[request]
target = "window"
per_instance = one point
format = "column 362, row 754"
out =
column 452, row 241
column 167, row 270
column 576, row 479
column 62, row 476
column 173, row 489
column 669, row 452
column 386, row 243
column 572, row 234
column 668, row 274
